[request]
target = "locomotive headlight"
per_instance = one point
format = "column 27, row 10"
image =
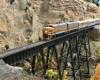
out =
column 46, row 31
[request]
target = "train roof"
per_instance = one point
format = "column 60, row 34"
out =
column 72, row 23
column 82, row 21
column 56, row 24
column 63, row 24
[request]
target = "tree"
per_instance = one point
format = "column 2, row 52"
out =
column 93, row 1
column 97, row 3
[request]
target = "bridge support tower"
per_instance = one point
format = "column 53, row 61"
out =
column 74, row 52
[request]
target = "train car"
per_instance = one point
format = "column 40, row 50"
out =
column 97, row 21
column 72, row 26
column 83, row 24
column 91, row 22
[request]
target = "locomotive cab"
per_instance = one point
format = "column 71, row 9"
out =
column 48, row 29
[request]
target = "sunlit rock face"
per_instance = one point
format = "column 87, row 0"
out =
column 22, row 21
column 8, row 72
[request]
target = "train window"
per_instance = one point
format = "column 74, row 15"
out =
column 46, row 26
column 50, row 26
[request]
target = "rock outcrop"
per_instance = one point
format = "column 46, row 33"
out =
column 22, row 21
column 8, row 72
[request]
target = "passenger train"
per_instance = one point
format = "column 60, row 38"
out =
column 51, row 31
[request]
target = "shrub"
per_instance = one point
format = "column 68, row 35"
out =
column 26, row 9
column 84, row 71
column 98, row 39
column 31, row 17
column 24, row 23
column 84, row 12
column 12, row 1
column 29, row 70
column 82, row 2
column 7, row 47
column 99, row 52
column 93, row 17
column 62, row 15
column 40, row 39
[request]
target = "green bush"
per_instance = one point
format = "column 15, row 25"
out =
column 7, row 47
column 62, row 15
column 98, row 39
column 24, row 23
column 12, row 1
column 40, row 39
column 29, row 70
column 93, row 17
column 31, row 17
column 84, row 12
column 84, row 71
column 82, row 2
column 26, row 9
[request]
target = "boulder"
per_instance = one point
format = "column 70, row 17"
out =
column 8, row 72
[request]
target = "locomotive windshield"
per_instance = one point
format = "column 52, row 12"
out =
column 50, row 26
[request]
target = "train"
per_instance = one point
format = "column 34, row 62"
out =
column 51, row 31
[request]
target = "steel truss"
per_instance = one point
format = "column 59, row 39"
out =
column 74, row 52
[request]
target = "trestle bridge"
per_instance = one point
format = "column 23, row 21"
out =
column 75, row 50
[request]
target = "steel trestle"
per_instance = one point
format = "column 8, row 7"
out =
column 74, row 52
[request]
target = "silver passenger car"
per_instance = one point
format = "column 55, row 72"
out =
column 83, row 24
column 91, row 22
column 72, row 26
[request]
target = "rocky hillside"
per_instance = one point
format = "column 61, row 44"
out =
column 22, row 21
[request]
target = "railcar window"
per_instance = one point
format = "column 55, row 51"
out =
column 50, row 26
column 46, row 26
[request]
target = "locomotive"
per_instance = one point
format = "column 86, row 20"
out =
column 51, row 31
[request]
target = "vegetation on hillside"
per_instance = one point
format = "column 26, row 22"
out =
column 12, row 1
